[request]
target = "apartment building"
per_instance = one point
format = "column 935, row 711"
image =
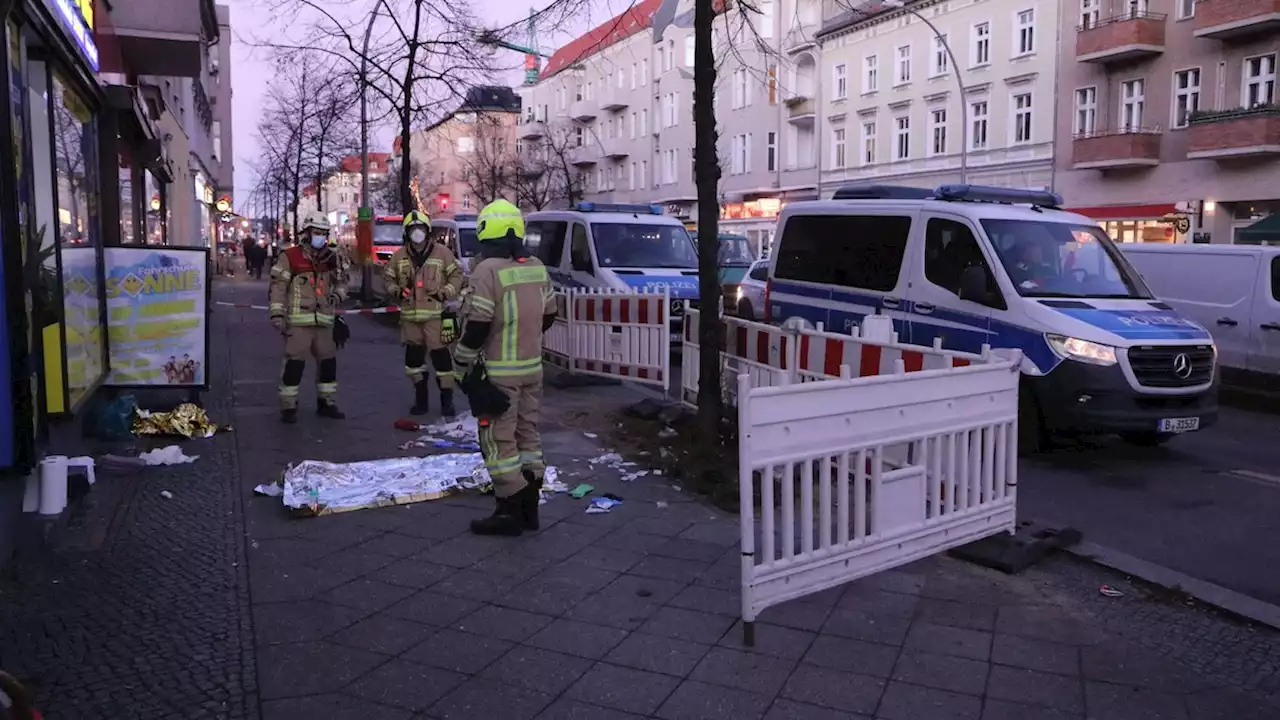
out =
column 469, row 157
column 1170, row 129
column 339, row 196
column 971, row 97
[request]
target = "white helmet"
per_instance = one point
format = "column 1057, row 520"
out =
column 315, row 221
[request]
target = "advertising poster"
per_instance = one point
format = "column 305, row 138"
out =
column 157, row 322
column 82, row 318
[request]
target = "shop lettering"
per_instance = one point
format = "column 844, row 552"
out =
column 170, row 282
column 1156, row 320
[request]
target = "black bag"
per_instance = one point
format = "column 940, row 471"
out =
column 486, row 399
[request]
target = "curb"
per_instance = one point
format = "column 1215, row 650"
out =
column 1204, row 591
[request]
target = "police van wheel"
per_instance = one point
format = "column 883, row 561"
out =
column 745, row 312
column 1032, row 436
column 1146, row 439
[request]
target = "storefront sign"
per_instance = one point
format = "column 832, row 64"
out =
column 157, row 303
column 77, row 20
column 762, row 208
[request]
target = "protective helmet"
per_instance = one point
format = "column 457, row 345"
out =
column 315, row 220
column 497, row 219
column 416, row 218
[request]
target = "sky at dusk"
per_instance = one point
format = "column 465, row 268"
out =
column 251, row 21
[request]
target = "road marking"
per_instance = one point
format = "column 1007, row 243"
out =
column 1264, row 478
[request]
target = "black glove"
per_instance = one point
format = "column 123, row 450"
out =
column 486, row 399
column 341, row 333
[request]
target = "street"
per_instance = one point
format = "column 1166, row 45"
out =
column 215, row 603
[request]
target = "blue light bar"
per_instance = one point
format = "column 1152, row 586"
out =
column 986, row 193
column 465, row 218
column 882, row 192
column 634, row 209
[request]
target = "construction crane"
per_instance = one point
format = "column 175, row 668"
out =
column 532, row 58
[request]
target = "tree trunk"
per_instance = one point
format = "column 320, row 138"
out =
column 320, row 173
column 406, row 114
column 707, row 178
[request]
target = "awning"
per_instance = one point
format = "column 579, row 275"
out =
column 1265, row 230
column 1126, row 212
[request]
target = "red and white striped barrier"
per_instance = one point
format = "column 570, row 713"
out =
column 619, row 335
column 390, row 309
column 823, row 354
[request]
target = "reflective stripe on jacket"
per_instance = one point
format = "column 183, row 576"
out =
column 513, row 295
column 306, row 291
column 439, row 276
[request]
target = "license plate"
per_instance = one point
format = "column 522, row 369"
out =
column 1179, row 425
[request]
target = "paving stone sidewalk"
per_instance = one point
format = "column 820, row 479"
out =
column 400, row 613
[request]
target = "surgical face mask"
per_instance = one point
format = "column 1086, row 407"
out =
column 318, row 241
column 418, row 236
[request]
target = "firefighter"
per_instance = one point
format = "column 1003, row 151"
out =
column 508, row 307
column 308, row 283
column 424, row 275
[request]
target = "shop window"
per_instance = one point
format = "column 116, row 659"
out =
column 75, row 183
column 127, row 234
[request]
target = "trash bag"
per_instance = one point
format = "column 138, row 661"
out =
column 112, row 419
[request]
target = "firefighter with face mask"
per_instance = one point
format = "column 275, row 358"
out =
column 509, row 306
column 421, row 277
column 308, row 283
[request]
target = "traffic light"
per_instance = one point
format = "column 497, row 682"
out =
column 443, row 201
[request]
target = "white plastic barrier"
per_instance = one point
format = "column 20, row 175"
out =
column 771, row 355
column 620, row 335
column 857, row 475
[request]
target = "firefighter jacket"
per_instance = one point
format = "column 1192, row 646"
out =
column 307, row 287
column 431, row 277
column 512, row 295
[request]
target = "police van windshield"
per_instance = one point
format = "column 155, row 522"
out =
column 643, row 246
column 468, row 243
column 735, row 251
column 1053, row 259
column 388, row 232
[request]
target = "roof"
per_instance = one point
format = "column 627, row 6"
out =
column 377, row 163
column 972, row 210
column 853, row 16
column 635, row 19
column 490, row 98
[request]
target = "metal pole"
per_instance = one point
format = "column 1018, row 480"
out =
column 964, row 104
column 364, row 216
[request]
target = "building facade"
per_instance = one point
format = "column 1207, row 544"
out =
column 1170, row 122
column 341, row 194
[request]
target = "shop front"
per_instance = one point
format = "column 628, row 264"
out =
column 1161, row 223
column 754, row 219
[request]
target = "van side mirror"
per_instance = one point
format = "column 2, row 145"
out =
column 974, row 286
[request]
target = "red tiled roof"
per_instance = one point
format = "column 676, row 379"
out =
column 377, row 162
column 637, row 18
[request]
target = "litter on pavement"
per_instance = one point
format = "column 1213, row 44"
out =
column 1110, row 592
column 171, row 455
column 581, row 491
column 187, row 420
column 269, row 490
column 602, row 505
column 166, row 494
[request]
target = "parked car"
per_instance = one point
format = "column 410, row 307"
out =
column 748, row 301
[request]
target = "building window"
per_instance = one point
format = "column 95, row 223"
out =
column 837, row 148
column 466, row 202
column 902, row 138
column 772, row 152
column 764, row 24
column 1133, row 98
column 868, row 143
column 644, row 172
column 938, row 131
column 841, row 81
column 741, row 160
column 1025, row 40
column 940, row 60
column 1086, row 111
column 1089, row 11
column 579, row 138
column 1022, row 118
column 978, row 117
column 1186, row 96
column 981, row 46
column 671, row 115
column 1186, row 9
column 661, row 62
column 644, row 121
column 1259, row 81
column 904, row 65
column 467, row 144
column 870, row 73
column 741, row 89
column 644, row 72
column 669, row 57
column 689, row 51
column 1136, row 8
column 519, row 146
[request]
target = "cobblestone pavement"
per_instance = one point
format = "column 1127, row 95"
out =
column 399, row 613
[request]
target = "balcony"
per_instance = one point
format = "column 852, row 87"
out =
column 613, row 99
column 615, row 148
column 1240, row 133
column 532, row 130
column 1122, row 38
column 161, row 37
column 582, row 111
column 801, row 110
column 799, row 39
column 584, row 157
column 1230, row 19
column 1116, row 150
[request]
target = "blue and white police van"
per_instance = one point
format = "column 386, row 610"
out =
column 620, row 247
column 1008, row 268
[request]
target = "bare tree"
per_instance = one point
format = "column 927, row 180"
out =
column 490, row 169
column 330, row 132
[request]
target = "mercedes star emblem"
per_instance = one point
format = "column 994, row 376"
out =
column 1182, row 366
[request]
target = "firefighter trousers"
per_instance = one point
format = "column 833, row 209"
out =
column 422, row 342
column 510, row 443
column 299, row 342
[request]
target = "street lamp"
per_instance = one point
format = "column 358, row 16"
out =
column 955, row 66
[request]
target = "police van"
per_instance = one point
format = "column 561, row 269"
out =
column 458, row 233
column 620, row 247
column 1009, row 268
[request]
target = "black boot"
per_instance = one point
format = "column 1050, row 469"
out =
column 421, row 398
column 446, row 404
column 289, row 416
column 507, row 519
column 329, row 409
column 532, row 498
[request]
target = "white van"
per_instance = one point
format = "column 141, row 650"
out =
column 621, row 247
column 459, row 233
column 1233, row 290
column 975, row 265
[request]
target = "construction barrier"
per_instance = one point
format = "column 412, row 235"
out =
column 857, row 475
column 771, row 355
column 624, row 335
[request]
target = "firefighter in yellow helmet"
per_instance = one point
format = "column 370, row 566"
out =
column 421, row 277
column 308, row 283
column 509, row 306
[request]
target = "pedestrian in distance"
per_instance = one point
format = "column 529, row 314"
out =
column 308, row 284
column 421, row 277
column 508, row 307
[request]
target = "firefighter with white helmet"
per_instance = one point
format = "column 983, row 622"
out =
column 421, row 277
column 308, row 283
column 510, row 304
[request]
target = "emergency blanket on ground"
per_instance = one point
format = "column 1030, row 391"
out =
column 187, row 420
column 323, row 488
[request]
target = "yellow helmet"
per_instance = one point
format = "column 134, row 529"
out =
column 496, row 219
column 416, row 218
